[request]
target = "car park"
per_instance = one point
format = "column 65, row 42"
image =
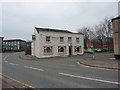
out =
column 97, row 50
column 89, row 51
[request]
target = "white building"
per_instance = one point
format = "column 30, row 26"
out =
column 53, row 42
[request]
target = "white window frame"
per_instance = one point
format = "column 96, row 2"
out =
column 47, row 40
column 48, row 52
column 59, row 49
column 69, row 40
column 77, row 39
column 76, row 49
column 62, row 40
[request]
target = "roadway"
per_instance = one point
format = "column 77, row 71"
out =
column 57, row 73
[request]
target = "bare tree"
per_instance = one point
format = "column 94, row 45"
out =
column 101, row 32
column 104, row 32
column 84, row 31
column 88, row 35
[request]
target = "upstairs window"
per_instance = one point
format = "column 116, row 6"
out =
column 77, row 40
column 61, row 39
column 47, row 38
column 69, row 39
column 33, row 37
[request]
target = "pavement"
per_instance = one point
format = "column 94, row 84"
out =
column 99, row 61
column 105, row 61
column 9, row 83
column 57, row 72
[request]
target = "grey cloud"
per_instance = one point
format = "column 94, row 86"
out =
column 19, row 19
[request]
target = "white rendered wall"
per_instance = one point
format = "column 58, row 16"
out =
column 40, row 42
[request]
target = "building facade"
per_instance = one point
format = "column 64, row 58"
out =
column 28, row 48
column 51, row 42
column 14, row 45
column 116, row 36
column 1, row 44
column 107, row 44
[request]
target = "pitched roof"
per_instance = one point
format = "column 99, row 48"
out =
column 1, row 37
column 15, row 40
column 54, row 30
column 115, row 18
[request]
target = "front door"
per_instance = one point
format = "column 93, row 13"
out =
column 70, row 50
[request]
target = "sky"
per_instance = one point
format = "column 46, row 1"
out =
column 20, row 18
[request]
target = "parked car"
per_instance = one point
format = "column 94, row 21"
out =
column 89, row 51
column 97, row 50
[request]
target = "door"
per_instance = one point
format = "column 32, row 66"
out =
column 70, row 50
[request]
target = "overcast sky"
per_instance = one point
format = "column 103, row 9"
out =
column 19, row 19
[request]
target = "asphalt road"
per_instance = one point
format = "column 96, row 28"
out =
column 57, row 73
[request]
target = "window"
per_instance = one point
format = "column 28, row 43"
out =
column 77, row 39
column 47, row 38
column 61, row 39
column 48, row 49
column 18, row 42
column 33, row 37
column 69, row 39
column 61, row 49
column 77, row 48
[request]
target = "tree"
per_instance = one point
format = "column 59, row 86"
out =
column 104, row 32
column 101, row 32
column 108, row 31
column 88, row 35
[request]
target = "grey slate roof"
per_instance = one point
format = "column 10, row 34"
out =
column 54, row 30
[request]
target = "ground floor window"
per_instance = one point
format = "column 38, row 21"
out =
column 48, row 49
column 61, row 48
column 77, row 48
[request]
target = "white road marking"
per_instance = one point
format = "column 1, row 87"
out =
column 33, row 68
column 14, row 64
column 106, row 81
column 11, row 63
column 5, row 61
column 112, row 58
column 5, row 58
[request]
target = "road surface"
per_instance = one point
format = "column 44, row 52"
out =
column 57, row 73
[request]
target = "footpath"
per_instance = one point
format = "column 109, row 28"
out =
column 9, row 83
column 106, row 61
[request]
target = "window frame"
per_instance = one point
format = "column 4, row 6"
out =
column 64, row 49
column 48, row 52
column 69, row 40
column 77, row 39
column 76, row 50
column 61, row 39
column 47, row 39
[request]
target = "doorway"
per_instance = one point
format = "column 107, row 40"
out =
column 70, row 50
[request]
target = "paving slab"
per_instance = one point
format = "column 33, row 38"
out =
column 105, row 61
column 9, row 83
